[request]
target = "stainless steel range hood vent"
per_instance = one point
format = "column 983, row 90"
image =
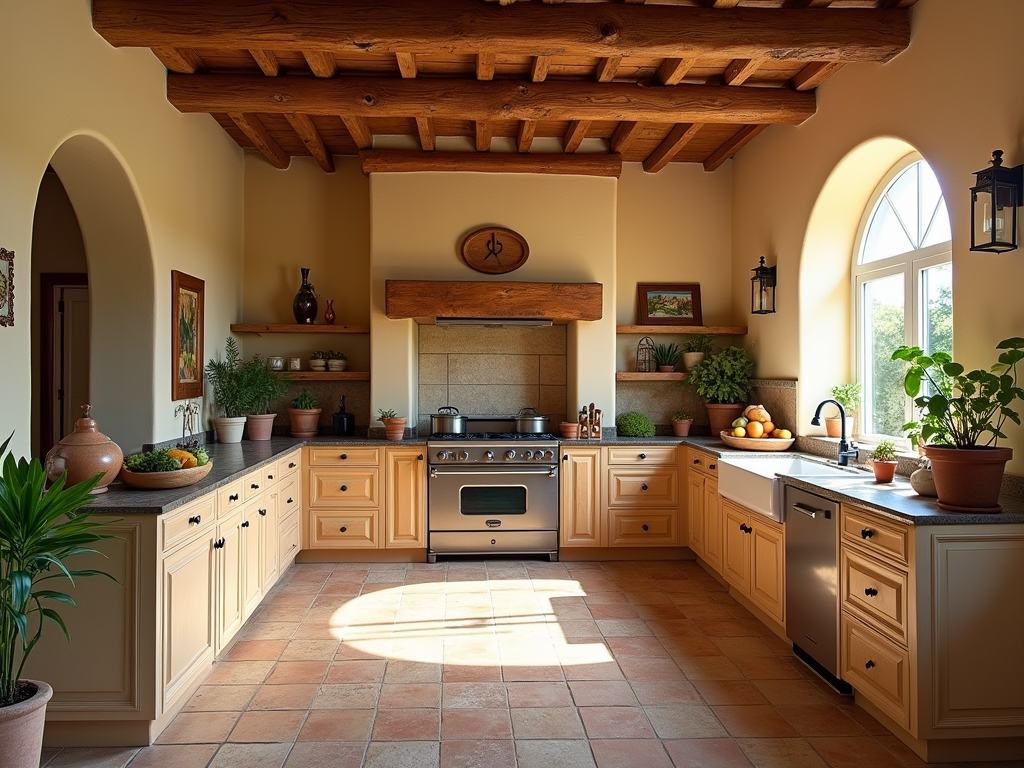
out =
column 495, row 322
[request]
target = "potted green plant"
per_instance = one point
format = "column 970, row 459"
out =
column 695, row 349
column 304, row 415
column 261, row 386
column 962, row 414
column 634, row 424
column 883, row 461
column 40, row 528
column 723, row 382
column 394, row 426
column 681, row 421
column 848, row 396
column 229, row 396
column 666, row 356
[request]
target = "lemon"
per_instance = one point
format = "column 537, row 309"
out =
column 739, row 432
column 783, row 434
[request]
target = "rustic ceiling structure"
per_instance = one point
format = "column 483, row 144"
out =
column 556, row 87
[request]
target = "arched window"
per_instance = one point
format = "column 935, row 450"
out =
column 903, row 283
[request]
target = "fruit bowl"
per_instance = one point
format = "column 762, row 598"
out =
column 177, row 478
column 756, row 443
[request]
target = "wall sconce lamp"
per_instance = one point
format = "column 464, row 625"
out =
column 762, row 290
column 995, row 198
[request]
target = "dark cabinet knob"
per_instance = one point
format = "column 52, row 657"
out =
column 643, row 487
column 420, row 457
column 254, row 486
column 646, row 527
column 219, row 544
column 344, row 528
column 270, row 477
column 870, row 591
column 643, row 455
column 344, row 487
column 263, row 513
column 195, row 520
column 866, row 533
column 291, row 500
column 291, row 465
column 233, row 497
column 245, row 524
column 869, row 664
column 344, row 456
column 712, row 466
column 696, row 461
column 565, row 457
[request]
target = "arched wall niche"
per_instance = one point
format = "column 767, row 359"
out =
column 826, row 358
column 121, row 283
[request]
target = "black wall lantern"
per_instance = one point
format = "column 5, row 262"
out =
column 994, row 202
column 762, row 290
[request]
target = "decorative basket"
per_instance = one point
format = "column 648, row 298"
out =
column 177, row 478
column 756, row 443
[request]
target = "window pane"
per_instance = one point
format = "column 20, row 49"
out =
column 886, row 236
column 937, row 308
column 884, row 329
column 934, row 217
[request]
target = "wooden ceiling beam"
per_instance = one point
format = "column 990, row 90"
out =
column 671, row 71
column 722, row 3
column 485, row 64
column 488, row 100
column 525, row 134
column 183, row 60
column 303, row 126
column 321, row 63
column 677, row 138
column 652, row 30
column 358, row 130
column 398, row 161
column 814, row 74
column 575, row 135
column 539, row 68
column 267, row 61
column 732, row 146
column 483, row 131
column 251, row 126
column 740, row 70
column 406, row 64
column 425, row 128
column 625, row 134
column 607, row 67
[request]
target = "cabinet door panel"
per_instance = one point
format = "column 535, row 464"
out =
column 252, row 585
column 643, row 487
column 712, row 524
column 653, row 527
column 269, row 551
column 768, row 567
column 289, row 542
column 695, row 511
column 736, row 546
column 875, row 592
column 230, row 602
column 188, row 632
column 642, row 455
column 405, row 497
column 343, row 455
column 878, row 668
column 580, row 481
column 356, row 529
column 344, row 487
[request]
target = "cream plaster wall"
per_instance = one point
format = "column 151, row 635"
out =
column 945, row 99
column 418, row 221
column 183, row 173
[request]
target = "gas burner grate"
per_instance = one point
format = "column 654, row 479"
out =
column 510, row 436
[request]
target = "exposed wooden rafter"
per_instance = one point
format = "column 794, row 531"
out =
column 671, row 71
column 267, row 61
column 406, row 64
column 321, row 63
column 254, row 130
column 485, row 63
column 814, row 74
column 525, row 134
column 397, row 161
column 732, row 146
column 483, row 131
column 740, row 70
column 677, row 138
column 357, row 129
column 183, row 60
column 626, row 132
column 425, row 129
column 607, row 67
column 575, row 135
column 303, row 126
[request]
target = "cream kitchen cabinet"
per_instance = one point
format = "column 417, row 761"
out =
column 753, row 558
column 642, row 495
column 582, row 523
column 405, row 497
column 705, row 507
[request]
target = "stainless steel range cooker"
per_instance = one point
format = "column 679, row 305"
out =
column 492, row 493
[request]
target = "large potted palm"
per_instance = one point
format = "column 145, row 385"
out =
column 226, row 377
column 962, row 414
column 723, row 382
column 40, row 528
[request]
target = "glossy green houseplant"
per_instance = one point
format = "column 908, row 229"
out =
column 723, row 382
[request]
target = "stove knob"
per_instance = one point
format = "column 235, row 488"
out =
column 551, row 455
column 464, row 455
column 509, row 455
column 443, row 455
column 488, row 455
column 528, row 455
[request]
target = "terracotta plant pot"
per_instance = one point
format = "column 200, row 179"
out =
column 21, row 728
column 666, row 368
column 570, row 430
column 722, row 416
column 834, row 426
column 884, row 471
column 304, row 422
column 229, row 430
column 260, row 425
column 681, row 427
column 968, row 479
column 394, row 429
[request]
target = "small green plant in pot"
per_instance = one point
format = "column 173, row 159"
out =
column 666, row 356
column 848, row 396
column 696, row 348
column 41, row 530
column 304, row 415
column 723, row 382
column 261, row 386
column 681, row 421
column 226, row 378
column 962, row 414
column 394, row 426
column 883, row 461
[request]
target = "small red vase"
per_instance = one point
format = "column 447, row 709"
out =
column 329, row 314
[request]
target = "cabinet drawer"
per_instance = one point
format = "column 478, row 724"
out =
column 288, row 496
column 656, row 527
column 342, row 455
column 185, row 523
column 289, row 465
column 663, row 454
column 702, row 462
column 348, row 487
column 252, row 484
column 288, row 540
column 643, row 488
column 269, row 474
column 875, row 592
column 229, row 498
column 878, row 668
column 876, row 535
column 357, row 530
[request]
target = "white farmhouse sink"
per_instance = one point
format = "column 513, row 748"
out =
column 752, row 482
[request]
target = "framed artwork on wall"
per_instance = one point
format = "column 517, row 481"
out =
column 187, row 316
column 668, row 304
column 6, row 287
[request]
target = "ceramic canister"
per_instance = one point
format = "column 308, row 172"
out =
column 84, row 453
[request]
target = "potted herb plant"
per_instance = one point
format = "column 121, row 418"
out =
column 40, row 528
column 394, row 426
column 883, row 461
column 261, row 385
column 848, row 396
column 695, row 349
column 681, row 421
column 723, row 382
column 304, row 415
column 962, row 414
column 666, row 356
column 229, row 396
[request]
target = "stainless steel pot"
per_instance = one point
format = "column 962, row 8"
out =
column 447, row 421
column 530, row 422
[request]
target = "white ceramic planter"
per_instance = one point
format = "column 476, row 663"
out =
column 229, row 430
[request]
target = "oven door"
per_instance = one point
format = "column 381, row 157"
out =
column 493, row 498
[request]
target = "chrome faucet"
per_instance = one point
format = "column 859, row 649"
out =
column 847, row 449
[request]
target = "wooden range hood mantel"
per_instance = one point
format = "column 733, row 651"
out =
column 425, row 300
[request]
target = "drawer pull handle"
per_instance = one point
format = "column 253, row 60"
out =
column 420, row 457
column 646, row 527
column 643, row 487
column 195, row 520
column 233, row 497
column 870, row 591
column 712, row 466
column 869, row 664
column 696, row 461
column 270, row 477
column 565, row 457
column 344, row 487
column 263, row 513
column 746, row 528
column 245, row 524
column 291, row 465
column 866, row 533
column 344, row 456
column 254, row 486
column 344, row 528
column 219, row 544
column 643, row 455
column 291, row 500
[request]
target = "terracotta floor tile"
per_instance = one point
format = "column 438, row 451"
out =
column 473, row 695
column 174, row 756
column 326, row 755
column 256, row 650
column 614, row 611
column 350, row 653
column 853, row 752
column 407, row 725
column 818, row 720
column 782, row 753
column 544, row 694
column 864, row 719
column 793, row 692
column 475, row 753
column 755, row 721
column 546, row 723
column 706, row 753
column 532, row 673
column 554, row 753
column 605, row 671
column 659, row 612
column 356, row 671
column 654, row 669
column 239, row 672
column 347, row 696
column 646, row 594
column 673, row 628
column 285, row 697
column 654, row 693
column 402, row 754
column 251, row 756
column 93, row 757
column 220, row 698
column 766, row 668
column 629, row 753
column 575, row 629
column 331, row 725
column 689, row 647
column 707, row 611
column 724, row 627
column 268, row 726
column 412, row 672
column 729, row 692
column 708, row 668
column 199, row 728
column 602, row 693
column 475, row 724
column 409, row 695
column 681, row 721
column 298, row 672
column 616, row 723
column 465, row 673
column 736, row 647
column 623, row 627
column 310, row 650
column 636, row 646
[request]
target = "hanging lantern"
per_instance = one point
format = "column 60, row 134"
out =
column 995, row 198
column 762, row 290
column 645, row 355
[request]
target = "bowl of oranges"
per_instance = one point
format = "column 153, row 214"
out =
column 755, row 431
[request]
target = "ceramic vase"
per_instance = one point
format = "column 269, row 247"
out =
column 922, row 482
column 692, row 359
column 21, row 728
column 84, row 453
column 229, row 430
column 304, row 305
column 329, row 312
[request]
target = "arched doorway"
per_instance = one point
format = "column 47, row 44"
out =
column 121, row 284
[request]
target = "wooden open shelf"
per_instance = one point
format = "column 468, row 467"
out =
column 684, row 330
column 296, row 328
column 653, row 376
column 328, row 375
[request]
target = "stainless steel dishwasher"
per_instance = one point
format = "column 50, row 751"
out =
column 812, row 582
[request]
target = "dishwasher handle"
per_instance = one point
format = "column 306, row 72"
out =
column 812, row 512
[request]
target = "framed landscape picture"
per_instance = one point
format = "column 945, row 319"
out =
column 6, row 287
column 187, row 312
column 668, row 304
